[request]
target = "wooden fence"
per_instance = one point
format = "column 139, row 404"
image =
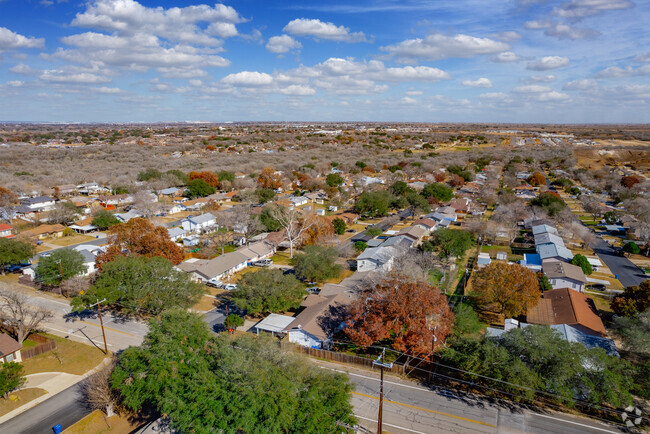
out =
column 339, row 357
column 44, row 345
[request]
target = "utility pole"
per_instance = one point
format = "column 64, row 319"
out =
column 380, row 362
column 99, row 310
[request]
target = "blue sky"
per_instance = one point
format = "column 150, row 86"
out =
column 573, row 61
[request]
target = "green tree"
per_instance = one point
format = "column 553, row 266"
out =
column 199, row 188
column 565, row 183
column 11, row 378
column 225, row 175
column 316, row 263
column 451, row 242
column 140, row 285
column 265, row 194
column 339, row 226
column 233, row 321
column 417, row 203
column 334, row 180
column 373, row 203
column 180, row 176
column 268, row 290
column 253, row 386
column 373, row 231
column 457, row 170
column 634, row 300
column 14, row 252
column 632, row 248
column 104, row 219
column 634, row 332
column 582, row 262
column 549, row 202
column 441, row 192
column 360, row 164
column 466, row 321
column 59, row 265
column 149, row 174
column 544, row 283
column 360, row 246
column 268, row 219
column 399, row 188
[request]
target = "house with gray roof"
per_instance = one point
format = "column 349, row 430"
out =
column 544, row 228
column 554, row 252
column 564, row 275
column 126, row 216
column 221, row 267
column 377, row 258
column 199, row 223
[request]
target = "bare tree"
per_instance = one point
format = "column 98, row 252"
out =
column 414, row 265
column 146, row 203
column 8, row 204
column 98, row 391
column 19, row 316
column 223, row 235
column 74, row 286
column 294, row 222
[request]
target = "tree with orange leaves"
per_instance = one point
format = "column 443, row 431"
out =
column 630, row 181
column 8, row 203
column 209, row 177
column 321, row 231
column 415, row 316
column 537, row 179
column 140, row 237
column 506, row 289
column 269, row 179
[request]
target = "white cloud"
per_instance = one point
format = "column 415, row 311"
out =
column 643, row 58
column 565, row 31
column 408, row 100
column 494, row 96
column 322, row 30
column 548, row 62
column 107, row 90
column 414, row 92
column 509, row 36
column 481, row 82
column 14, row 83
column 583, row 8
column 581, row 84
column 195, row 83
column 62, row 76
column 21, row 68
column 553, row 96
column 10, row 40
column 540, row 78
column 531, row 88
column 282, row 44
column 628, row 71
column 437, row 46
column 248, row 79
column 297, row 90
column 537, row 24
column 505, row 57
column 222, row 30
column 410, row 73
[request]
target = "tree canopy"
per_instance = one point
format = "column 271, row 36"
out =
column 199, row 188
column 210, row 178
column 549, row 202
column 507, row 289
column 537, row 178
column 374, row 203
column 14, row 252
column 268, row 219
column 140, row 237
column 413, row 316
column 539, row 358
column 634, row 331
column 582, row 262
column 440, row 192
column 451, row 242
column 252, row 385
column 104, row 219
column 634, row 300
column 67, row 261
column 316, row 263
column 334, row 180
column 631, row 247
column 11, row 378
column 267, row 291
column 140, row 285
column 264, row 194
column 339, row 226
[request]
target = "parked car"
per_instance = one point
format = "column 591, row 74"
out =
column 230, row 286
column 16, row 268
column 313, row 290
column 597, row 287
column 214, row 283
column 262, row 263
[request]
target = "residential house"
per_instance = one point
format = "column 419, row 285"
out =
column 176, row 233
column 377, row 258
column 6, row 231
column 416, row 232
column 483, row 260
column 426, row 223
column 462, row 205
column 9, row 349
column 554, row 252
column 298, row 200
column 221, row 267
column 45, row 231
column 257, row 251
column 39, row 203
column 199, row 223
column 171, row 208
column 532, row 261
column 63, row 189
column 368, row 180
column 274, row 323
column 89, row 188
column 83, row 226
column 565, row 306
column 89, row 252
column 170, row 192
column 544, row 228
column 116, row 200
column 321, row 318
column 124, row 217
column 548, row 238
column 564, row 275
column 567, row 332
column 192, row 205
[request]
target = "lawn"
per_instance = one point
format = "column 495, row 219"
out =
column 344, row 275
column 281, row 258
column 73, row 239
column 19, row 398
column 602, row 303
column 97, row 422
column 68, row 356
column 205, row 304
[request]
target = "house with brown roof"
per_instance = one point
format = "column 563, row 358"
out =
column 9, row 349
column 565, row 306
column 44, row 231
column 6, row 231
column 564, row 275
column 321, row 318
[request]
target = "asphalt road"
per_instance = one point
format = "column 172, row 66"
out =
column 65, row 408
column 628, row 273
column 412, row 408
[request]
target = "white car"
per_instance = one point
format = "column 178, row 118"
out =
column 214, row 283
column 230, row 286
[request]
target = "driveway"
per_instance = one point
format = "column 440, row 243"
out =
column 628, row 273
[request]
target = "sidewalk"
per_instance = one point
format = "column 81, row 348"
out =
column 53, row 383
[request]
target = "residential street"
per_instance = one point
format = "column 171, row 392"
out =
column 628, row 273
column 411, row 408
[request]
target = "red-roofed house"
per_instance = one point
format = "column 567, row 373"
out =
column 6, row 231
